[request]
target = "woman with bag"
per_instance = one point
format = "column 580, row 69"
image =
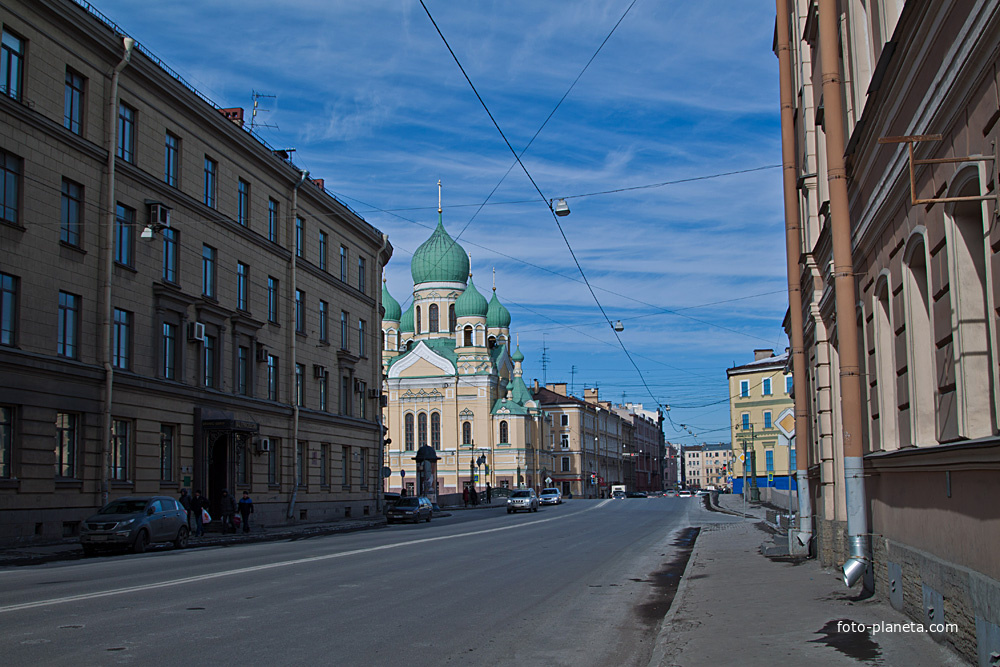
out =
column 199, row 507
column 246, row 509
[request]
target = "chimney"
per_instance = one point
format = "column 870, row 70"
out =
column 762, row 354
column 318, row 182
column 536, row 385
column 235, row 115
column 590, row 395
column 557, row 388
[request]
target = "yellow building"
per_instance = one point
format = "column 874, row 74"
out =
column 452, row 383
column 763, row 421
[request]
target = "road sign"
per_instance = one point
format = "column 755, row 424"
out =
column 741, row 457
column 770, row 477
column 548, row 480
column 729, row 480
column 386, row 471
column 402, row 473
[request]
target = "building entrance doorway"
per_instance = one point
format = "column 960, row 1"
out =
column 219, row 449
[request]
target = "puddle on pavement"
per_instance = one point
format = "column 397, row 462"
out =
column 857, row 645
column 666, row 580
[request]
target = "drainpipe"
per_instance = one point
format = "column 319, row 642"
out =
column 793, row 249
column 844, row 288
column 303, row 175
column 109, row 252
column 379, row 495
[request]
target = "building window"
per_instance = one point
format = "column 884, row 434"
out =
column 744, row 388
column 211, row 173
column 300, row 390
column 10, row 187
column 792, row 462
column 300, row 311
column 564, row 464
column 767, row 419
column 769, row 458
column 121, row 433
column 432, row 318
column 208, row 271
column 272, row 299
column 169, row 369
column 73, row 102
column 324, row 316
column 71, row 218
column 272, row 220
column 322, row 250
column 241, row 286
column 124, row 234
column 69, row 325
column 408, row 431
column 343, row 264
column 11, row 65
column 564, row 420
column 171, row 159
column 241, row 448
column 324, row 464
column 126, row 132
column 468, row 337
column 361, row 275
column 766, row 387
column 243, row 370
column 300, row 230
column 362, row 468
column 504, row 432
column 789, row 384
column 345, row 466
column 322, row 393
column 344, row 343
column 422, row 429
column 362, row 400
column 6, row 442
column 272, row 377
column 170, row 257
column 8, row 309
column 419, row 328
column 466, row 433
column 166, row 452
column 436, row 430
column 345, row 395
column 300, row 463
column 564, row 440
column 209, row 360
column 361, row 338
column 243, row 203
column 272, row 462
column 746, row 421
column 452, row 319
column 67, row 434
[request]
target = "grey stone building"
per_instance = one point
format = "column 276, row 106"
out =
column 194, row 312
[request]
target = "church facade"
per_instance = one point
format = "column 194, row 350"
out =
column 452, row 384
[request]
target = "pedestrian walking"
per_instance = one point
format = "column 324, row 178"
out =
column 245, row 506
column 465, row 496
column 228, row 510
column 185, row 501
column 473, row 495
column 489, row 494
column 198, row 504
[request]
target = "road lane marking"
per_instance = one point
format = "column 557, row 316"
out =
column 270, row 566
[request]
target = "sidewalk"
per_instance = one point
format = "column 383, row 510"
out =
column 735, row 605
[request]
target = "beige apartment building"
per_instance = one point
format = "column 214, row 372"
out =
column 180, row 306
column 908, row 93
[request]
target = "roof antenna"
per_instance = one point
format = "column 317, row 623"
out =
column 439, row 196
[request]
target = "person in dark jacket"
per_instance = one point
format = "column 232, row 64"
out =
column 185, row 501
column 489, row 494
column 198, row 503
column 465, row 496
column 228, row 510
column 245, row 506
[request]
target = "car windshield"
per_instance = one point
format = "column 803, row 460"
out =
column 520, row 494
column 407, row 502
column 124, row 506
column 550, row 491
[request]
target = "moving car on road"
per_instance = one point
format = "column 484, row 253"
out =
column 134, row 523
column 617, row 495
column 684, row 494
column 551, row 496
column 522, row 499
column 636, row 494
column 410, row 508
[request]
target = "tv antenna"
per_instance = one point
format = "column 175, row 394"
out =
column 572, row 380
column 257, row 97
column 545, row 362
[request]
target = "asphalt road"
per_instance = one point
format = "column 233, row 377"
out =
column 584, row 583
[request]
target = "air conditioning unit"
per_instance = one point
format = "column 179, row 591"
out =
column 159, row 215
column 261, row 353
column 263, row 445
column 319, row 372
column 374, row 393
column 196, row 332
column 358, row 386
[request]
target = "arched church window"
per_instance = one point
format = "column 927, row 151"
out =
column 466, row 433
column 422, row 429
column 452, row 320
column 432, row 317
column 436, row 430
column 418, row 320
column 408, row 431
column 491, row 342
column 468, row 336
column 504, row 435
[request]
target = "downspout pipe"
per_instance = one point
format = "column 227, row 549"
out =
column 292, row 348
column 108, row 267
column 844, row 287
column 793, row 250
column 379, row 488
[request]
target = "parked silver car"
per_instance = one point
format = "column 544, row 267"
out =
column 522, row 499
column 551, row 496
column 135, row 523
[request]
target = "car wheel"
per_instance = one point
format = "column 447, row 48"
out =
column 428, row 518
column 509, row 510
column 181, row 541
column 141, row 542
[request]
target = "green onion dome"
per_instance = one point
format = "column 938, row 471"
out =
column 471, row 303
column 406, row 321
column 439, row 259
column 517, row 356
column 392, row 310
column 497, row 315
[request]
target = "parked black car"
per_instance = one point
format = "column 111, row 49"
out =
column 410, row 508
column 135, row 523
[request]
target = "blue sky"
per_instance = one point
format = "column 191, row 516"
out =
column 372, row 101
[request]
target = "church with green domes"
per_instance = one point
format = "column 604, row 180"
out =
column 452, row 383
